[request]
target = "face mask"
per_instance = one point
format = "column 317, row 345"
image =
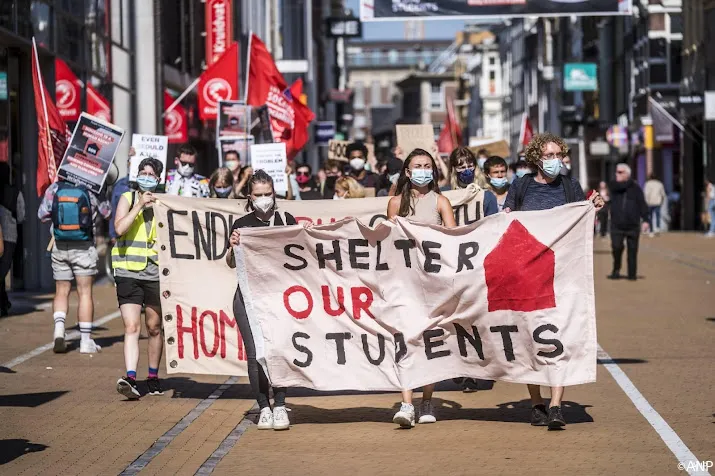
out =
column 568, row 166
column 222, row 192
column 231, row 165
column 521, row 172
column 338, row 197
column 498, row 182
column 394, row 177
column 302, row 179
column 264, row 204
column 551, row 167
column 357, row 164
column 421, row 177
column 481, row 163
column 185, row 170
column 147, row 183
column 466, row 176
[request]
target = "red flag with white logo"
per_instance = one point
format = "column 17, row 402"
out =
column 302, row 117
column 219, row 29
column 97, row 105
column 527, row 131
column 218, row 82
column 176, row 124
column 52, row 132
column 68, row 91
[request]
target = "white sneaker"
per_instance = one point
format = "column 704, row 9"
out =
column 280, row 418
column 406, row 416
column 427, row 412
column 89, row 347
column 265, row 421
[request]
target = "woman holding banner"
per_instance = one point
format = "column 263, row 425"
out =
column 262, row 207
column 418, row 198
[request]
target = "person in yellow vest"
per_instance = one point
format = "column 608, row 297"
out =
column 136, row 271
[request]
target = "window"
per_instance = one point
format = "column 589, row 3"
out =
column 359, row 96
column 656, row 22
column 492, row 75
column 70, row 38
column 393, row 56
column 492, row 60
column 658, row 73
column 676, row 23
column 676, row 61
column 658, row 48
column 375, row 93
column 436, row 97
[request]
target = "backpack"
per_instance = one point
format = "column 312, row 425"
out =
column 523, row 184
column 72, row 213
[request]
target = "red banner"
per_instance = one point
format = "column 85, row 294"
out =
column 68, row 91
column 176, row 124
column 527, row 131
column 451, row 136
column 303, row 116
column 219, row 29
column 97, row 105
column 52, row 132
column 218, row 82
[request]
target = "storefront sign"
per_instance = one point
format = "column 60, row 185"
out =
column 324, row 132
column 3, row 86
column 345, row 27
column 580, row 77
column 219, row 28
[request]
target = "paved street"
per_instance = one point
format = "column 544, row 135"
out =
column 60, row 414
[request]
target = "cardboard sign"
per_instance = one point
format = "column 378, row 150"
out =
column 273, row 160
column 146, row 145
column 240, row 144
column 90, row 152
column 337, row 150
column 411, row 137
column 492, row 146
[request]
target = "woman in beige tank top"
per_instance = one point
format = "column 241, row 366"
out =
column 418, row 198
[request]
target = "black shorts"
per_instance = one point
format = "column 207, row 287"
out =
column 138, row 291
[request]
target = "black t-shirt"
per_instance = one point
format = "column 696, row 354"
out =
column 252, row 221
column 312, row 194
column 369, row 180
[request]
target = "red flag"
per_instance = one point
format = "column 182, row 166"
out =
column 527, row 131
column 97, row 105
column 266, row 85
column 52, row 132
column 68, row 91
column 451, row 136
column 176, row 124
column 218, row 82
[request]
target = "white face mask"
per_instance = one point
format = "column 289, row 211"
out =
column 357, row 164
column 264, row 204
column 394, row 177
column 231, row 165
column 185, row 170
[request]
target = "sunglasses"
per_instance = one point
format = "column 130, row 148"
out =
column 185, row 163
column 303, row 174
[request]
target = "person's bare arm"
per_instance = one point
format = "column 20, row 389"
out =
column 393, row 208
column 125, row 216
column 445, row 210
column 232, row 241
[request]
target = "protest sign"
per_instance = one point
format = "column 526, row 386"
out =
column 241, row 144
column 497, row 147
column 233, row 118
column 146, row 145
column 272, row 159
column 415, row 136
column 90, row 152
column 261, row 125
column 337, row 150
column 347, row 307
column 193, row 237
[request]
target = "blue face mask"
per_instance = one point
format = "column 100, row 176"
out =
column 222, row 192
column 499, row 182
column 466, row 176
column 521, row 172
column 551, row 167
column 421, row 177
column 147, row 183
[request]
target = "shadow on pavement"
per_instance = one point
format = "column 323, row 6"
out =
column 711, row 319
column 445, row 410
column 107, row 342
column 13, row 449
column 29, row 400
column 5, row 370
column 621, row 361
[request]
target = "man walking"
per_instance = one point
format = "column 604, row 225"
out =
column 655, row 196
column 629, row 215
column 183, row 181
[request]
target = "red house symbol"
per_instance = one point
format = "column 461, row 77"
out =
column 520, row 272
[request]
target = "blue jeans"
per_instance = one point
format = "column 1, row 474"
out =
column 711, row 210
column 655, row 217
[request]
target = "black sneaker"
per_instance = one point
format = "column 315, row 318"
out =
column 556, row 419
column 469, row 385
column 632, row 278
column 128, row 387
column 538, row 415
column 154, row 386
column 614, row 275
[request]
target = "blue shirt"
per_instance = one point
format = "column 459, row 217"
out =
column 543, row 196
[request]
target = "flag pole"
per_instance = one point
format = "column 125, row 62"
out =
column 248, row 66
column 181, row 97
column 51, row 164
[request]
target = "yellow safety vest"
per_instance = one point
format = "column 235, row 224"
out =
column 134, row 247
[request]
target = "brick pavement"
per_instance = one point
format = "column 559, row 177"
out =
column 660, row 330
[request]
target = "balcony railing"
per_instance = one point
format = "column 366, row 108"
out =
column 372, row 59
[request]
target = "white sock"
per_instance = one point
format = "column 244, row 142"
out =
column 59, row 317
column 85, row 331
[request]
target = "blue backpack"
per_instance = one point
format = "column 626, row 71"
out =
column 72, row 213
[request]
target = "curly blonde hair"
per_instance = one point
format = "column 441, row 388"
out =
column 351, row 186
column 536, row 146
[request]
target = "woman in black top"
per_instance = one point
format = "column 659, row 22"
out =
column 262, row 205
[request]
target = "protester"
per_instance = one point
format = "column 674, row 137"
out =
column 136, row 272
column 232, row 161
column 495, row 168
column 482, row 157
column 119, row 188
column 73, row 211
column 629, row 216
column 463, row 173
column 183, row 181
column 2, row 243
column 357, row 156
column 655, row 197
column 12, row 213
column 604, row 212
column 348, row 187
column 333, row 170
column 240, row 185
column 221, row 183
column 566, row 169
column 389, row 177
column 419, row 198
column 263, row 212
column 321, row 177
column 710, row 197
column 521, row 168
column 544, row 190
column 307, row 186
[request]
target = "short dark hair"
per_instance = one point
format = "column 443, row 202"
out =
column 186, row 149
column 482, row 152
column 310, row 169
column 238, row 156
column 153, row 163
column 259, row 176
column 494, row 161
column 353, row 146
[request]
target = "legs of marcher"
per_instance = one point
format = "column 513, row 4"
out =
column 617, row 250
column 62, row 294
column 153, row 327
column 557, row 393
column 535, row 394
column 131, row 315
column 85, row 311
column 5, row 265
column 711, row 210
column 632, row 246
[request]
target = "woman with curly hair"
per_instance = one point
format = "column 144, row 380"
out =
column 544, row 190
